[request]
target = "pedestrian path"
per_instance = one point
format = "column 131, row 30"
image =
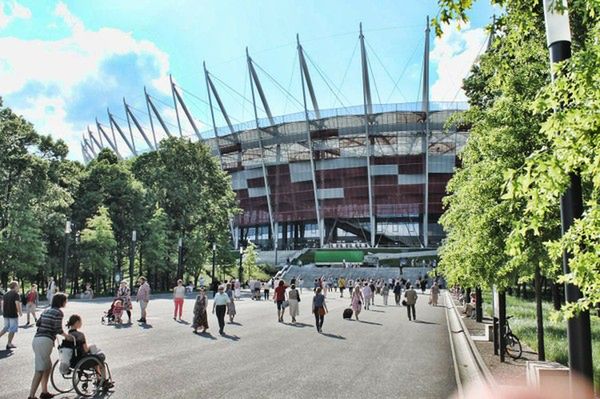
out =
column 383, row 355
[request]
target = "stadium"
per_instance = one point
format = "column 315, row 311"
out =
column 365, row 176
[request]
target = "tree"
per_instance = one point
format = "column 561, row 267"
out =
column 22, row 246
column 154, row 246
column 98, row 246
column 186, row 181
column 249, row 261
column 110, row 183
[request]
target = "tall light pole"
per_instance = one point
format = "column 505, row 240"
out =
column 132, row 256
column 180, row 259
column 214, row 264
column 241, row 269
column 558, row 34
column 66, row 260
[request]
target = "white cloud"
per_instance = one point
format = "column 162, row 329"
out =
column 9, row 11
column 45, row 78
column 454, row 54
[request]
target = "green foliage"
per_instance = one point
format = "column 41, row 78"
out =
column 250, row 256
column 503, row 132
column 98, row 245
column 154, row 245
column 567, row 113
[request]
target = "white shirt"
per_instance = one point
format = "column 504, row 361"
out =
column 221, row 298
column 179, row 292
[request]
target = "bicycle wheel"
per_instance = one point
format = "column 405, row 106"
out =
column 61, row 382
column 513, row 346
column 87, row 381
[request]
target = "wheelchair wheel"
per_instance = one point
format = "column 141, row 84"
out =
column 63, row 383
column 87, row 381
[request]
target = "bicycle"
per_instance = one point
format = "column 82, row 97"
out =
column 513, row 345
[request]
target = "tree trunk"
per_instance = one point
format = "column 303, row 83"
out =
column 539, row 315
column 478, row 305
column 556, row 300
column 524, row 291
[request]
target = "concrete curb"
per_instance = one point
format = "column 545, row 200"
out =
column 468, row 363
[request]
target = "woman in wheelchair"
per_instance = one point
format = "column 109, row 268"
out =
column 81, row 349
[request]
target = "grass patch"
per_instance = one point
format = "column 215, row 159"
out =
column 524, row 326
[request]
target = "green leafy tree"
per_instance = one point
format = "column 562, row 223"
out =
column 98, row 246
column 249, row 261
column 22, row 245
column 154, row 245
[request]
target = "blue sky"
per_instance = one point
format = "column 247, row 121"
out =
column 62, row 63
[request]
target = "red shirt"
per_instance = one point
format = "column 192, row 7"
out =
column 280, row 293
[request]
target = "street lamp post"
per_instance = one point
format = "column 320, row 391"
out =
column 214, row 263
column 75, row 275
column 558, row 34
column 132, row 256
column 180, row 259
column 241, row 269
column 66, row 260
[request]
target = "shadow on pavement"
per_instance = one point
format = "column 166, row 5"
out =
column 426, row 322
column 231, row 337
column 145, row 326
column 333, row 336
column 123, row 325
column 299, row 325
column 235, row 323
column 187, row 323
column 370, row 322
column 4, row 354
column 378, row 311
column 206, row 335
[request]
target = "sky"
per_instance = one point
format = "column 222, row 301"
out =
column 64, row 63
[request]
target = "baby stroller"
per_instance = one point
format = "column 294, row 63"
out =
column 113, row 313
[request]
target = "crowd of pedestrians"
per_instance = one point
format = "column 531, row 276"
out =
column 362, row 294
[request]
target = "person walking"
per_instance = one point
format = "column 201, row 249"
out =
column 319, row 308
column 220, row 302
column 237, row 286
column 279, row 298
column 366, row 293
column 294, row 301
column 435, row 293
column 231, row 305
column 357, row 302
column 49, row 325
column 32, row 299
column 51, row 290
column 398, row 293
column 124, row 294
column 423, row 284
column 385, row 292
column 410, row 297
column 350, row 286
column 143, row 297
column 11, row 311
column 265, row 290
column 372, row 287
column 342, row 285
column 301, row 284
column 178, row 299
column 200, row 317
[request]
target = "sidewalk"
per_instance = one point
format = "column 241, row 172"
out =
column 511, row 372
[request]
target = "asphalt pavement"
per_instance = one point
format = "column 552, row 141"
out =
column 381, row 356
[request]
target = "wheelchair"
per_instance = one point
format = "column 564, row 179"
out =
column 89, row 376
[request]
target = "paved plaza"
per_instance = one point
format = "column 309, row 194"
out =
column 382, row 356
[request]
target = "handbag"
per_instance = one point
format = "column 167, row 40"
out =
column 321, row 311
column 285, row 304
column 65, row 355
column 404, row 302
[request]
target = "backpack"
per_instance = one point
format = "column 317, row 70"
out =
column 24, row 299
